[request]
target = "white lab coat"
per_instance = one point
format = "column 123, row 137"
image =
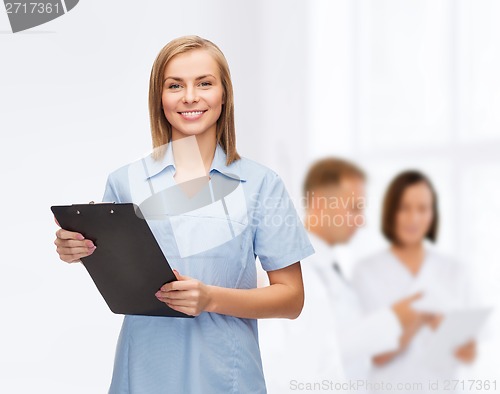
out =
column 331, row 340
column 382, row 280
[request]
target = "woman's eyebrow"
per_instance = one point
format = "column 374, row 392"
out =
column 204, row 76
column 197, row 79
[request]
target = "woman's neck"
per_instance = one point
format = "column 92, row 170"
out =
column 412, row 256
column 193, row 156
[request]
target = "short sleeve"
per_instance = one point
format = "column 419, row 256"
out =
column 280, row 238
column 110, row 191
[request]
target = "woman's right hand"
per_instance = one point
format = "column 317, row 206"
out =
column 72, row 246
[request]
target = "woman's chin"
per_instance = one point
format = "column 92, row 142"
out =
column 189, row 132
column 411, row 241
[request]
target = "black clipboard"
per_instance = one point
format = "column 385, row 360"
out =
column 128, row 267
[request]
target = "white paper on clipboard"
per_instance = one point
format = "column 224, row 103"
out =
column 457, row 328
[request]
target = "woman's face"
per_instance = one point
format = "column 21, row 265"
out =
column 415, row 214
column 192, row 94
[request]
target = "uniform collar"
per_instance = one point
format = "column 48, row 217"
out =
column 326, row 253
column 154, row 167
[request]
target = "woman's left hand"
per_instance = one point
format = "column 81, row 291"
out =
column 186, row 295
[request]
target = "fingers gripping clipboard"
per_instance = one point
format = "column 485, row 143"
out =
column 128, row 267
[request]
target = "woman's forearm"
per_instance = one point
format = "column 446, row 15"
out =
column 284, row 297
column 276, row 300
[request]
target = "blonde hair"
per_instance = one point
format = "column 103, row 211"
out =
column 161, row 130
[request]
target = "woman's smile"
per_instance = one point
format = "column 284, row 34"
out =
column 192, row 114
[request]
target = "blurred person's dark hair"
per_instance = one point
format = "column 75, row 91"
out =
column 392, row 201
column 330, row 171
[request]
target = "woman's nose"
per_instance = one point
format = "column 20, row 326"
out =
column 190, row 95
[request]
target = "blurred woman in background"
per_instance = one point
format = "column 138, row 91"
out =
column 410, row 217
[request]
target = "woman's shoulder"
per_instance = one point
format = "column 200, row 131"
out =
column 366, row 269
column 375, row 259
column 444, row 260
column 379, row 261
column 258, row 177
column 252, row 168
column 119, row 172
column 144, row 163
column 121, row 179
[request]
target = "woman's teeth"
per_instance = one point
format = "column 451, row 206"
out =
column 191, row 113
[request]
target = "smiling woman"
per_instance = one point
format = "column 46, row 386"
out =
column 211, row 216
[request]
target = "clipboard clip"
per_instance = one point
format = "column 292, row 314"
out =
column 93, row 203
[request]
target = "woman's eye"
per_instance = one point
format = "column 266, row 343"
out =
column 174, row 86
column 206, row 83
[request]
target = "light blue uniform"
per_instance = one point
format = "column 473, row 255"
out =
column 216, row 243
